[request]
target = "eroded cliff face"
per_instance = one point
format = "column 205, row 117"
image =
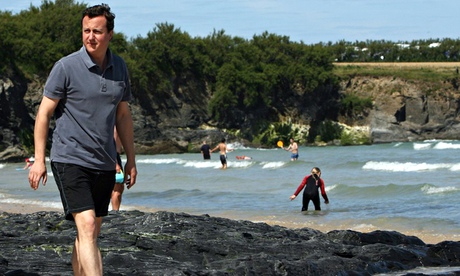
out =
column 408, row 110
column 170, row 125
column 402, row 111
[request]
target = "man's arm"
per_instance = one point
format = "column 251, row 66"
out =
column 124, row 124
column 215, row 148
column 42, row 121
column 119, row 147
column 118, row 143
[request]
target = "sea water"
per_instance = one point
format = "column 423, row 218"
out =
column 412, row 188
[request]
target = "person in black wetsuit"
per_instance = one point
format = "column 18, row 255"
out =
column 206, row 151
column 312, row 184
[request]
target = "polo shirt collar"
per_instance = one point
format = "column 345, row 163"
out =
column 89, row 63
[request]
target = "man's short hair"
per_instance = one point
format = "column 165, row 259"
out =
column 98, row 10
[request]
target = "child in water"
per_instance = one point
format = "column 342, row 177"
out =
column 29, row 163
column 312, row 183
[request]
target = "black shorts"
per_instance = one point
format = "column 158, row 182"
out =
column 223, row 159
column 83, row 189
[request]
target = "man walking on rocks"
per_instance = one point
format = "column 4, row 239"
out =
column 87, row 91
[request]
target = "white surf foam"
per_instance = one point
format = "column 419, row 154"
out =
column 202, row 164
column 272, row 165
column 48, row 204
column 404, row 167
column 422, row 146
column 240, row 164
column 445, row 145
column 330, row 188
column 160, row 161
column 438, row 190
column 455, row 167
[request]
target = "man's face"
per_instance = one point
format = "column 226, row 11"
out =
column 95, row 35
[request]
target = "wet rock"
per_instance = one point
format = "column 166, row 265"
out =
column 165, row 243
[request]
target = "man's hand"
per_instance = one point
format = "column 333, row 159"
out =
column 130, row 174
column 36, row 173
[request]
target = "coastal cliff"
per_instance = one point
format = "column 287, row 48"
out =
column 401, row 110
column 164, row 243
column 407, row 110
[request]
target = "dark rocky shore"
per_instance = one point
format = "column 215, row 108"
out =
column 165, row 243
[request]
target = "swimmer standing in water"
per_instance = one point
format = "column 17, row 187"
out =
column 294, row 149
column 312, row 184
column 223, row 153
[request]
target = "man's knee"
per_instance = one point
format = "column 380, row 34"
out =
column 86, row 222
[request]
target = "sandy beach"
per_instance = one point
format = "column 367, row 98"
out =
column 24, row 208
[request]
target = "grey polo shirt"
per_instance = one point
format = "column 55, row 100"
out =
column 85, row 115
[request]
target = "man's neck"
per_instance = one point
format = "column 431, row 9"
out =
column 100, row 60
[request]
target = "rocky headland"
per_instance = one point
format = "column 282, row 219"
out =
column 165, row 243
column 402, row 110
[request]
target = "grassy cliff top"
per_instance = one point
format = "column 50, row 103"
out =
column 421, row 71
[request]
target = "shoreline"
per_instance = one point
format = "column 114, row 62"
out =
column 27, row 208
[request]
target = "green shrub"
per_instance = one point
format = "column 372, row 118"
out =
column 328, row 131
column 350, row 137
column 352, row 105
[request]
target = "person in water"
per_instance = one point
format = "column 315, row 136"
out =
column 312, row 184
column 29, row 164
column 223, row 153
column 119, row 187
column 294, row 149
column 205, row 151
column 243, row 157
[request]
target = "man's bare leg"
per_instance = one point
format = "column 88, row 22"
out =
column 86, row 257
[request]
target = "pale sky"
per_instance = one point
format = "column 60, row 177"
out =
column 310, row 21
